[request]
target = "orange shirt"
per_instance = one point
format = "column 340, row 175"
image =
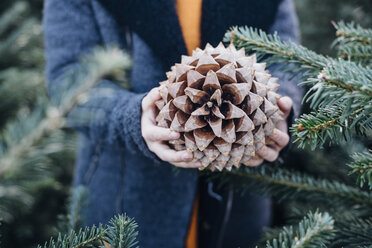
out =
column 189, row 15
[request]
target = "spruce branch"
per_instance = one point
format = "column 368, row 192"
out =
column 342, row 96
column 314, row 230
column 76, row 204
column 343, row 216
column 345, row 85
column 20, row 37
column 19, row 87
column 120, row 232
column 101, row 63
column 348, row 76
column 350, row 32
column 341, row 91
column 353, row 233
column 92, row 69
column 356, row 52
column 263, row 44
column 353, row 42
column 15, row 145
column 328, row 124
column 315, row 128
column 11, row 197
column 87, row 237
column 288, row 184
column 345, row 75
column 362, row 166
column 18, row 186
column 12, row 15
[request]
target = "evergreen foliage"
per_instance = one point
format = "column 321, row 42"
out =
column 340, row 93
column 120, row 232
column 315, row 16
column 86, row 237
column 340, row 96
column 362, row 166
column 354, row 42
column 73, row 220
column 354, row 233
column 21, row 108
column 22, row 136
column 293, row 185
column 314, row 230
column 36, row 150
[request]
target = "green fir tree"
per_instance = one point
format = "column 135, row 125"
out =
column 36, row 150
column 340, row 97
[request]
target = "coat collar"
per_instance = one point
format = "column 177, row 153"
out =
column 156, row 21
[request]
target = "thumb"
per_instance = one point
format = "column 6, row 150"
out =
column 285, row 104
column 149, row 100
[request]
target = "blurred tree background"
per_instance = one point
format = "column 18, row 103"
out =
column 315, row 18
column 317, row 34
column 34, row 194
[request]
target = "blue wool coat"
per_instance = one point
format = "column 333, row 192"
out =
column 113, row 160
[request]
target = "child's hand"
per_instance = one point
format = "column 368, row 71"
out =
column 155, row 136
column 279, row 136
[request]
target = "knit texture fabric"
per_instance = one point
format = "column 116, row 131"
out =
column 113, row 161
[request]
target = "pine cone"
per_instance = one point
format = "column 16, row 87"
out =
column 222, row 102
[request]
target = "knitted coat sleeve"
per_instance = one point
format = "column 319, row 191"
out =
column 70, row 32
